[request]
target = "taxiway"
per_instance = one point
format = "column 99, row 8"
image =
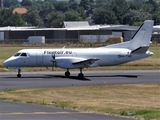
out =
column 19, row 111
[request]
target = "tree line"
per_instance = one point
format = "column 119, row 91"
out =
column 52, row 13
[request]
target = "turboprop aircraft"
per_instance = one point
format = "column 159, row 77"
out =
column 73, row 58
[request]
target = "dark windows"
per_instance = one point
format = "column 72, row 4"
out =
column 17, row 54
column 20, row 54
column 24, row 54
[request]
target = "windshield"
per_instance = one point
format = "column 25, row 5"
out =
column 17, row 54
column 20, row 54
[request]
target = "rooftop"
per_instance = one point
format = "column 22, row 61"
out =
column 21, row 11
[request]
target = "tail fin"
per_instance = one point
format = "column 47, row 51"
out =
column 141, row 39
column 143, row 36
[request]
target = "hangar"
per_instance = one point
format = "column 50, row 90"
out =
column 71, row 31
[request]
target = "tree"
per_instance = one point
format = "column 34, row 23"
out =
column 55, row 19
column 120, row 7
column 47, row 5
column 9, row 3
column 57, row 23
column 71, row 1
column 156, row 17
column 51, row 1
column 72, row 16
column 102, row 16
column 133, row 6
column 26, row 3
column 137, row 23
column 81, row 12
column 91, row 3
column 99, row 16
column 5, row 14
column 85, row 4
column 16, row 20
column 133, row 16
column 61, row 6
column 102, row 3
column 150, row 6
column 7, row 18
column 32, row 18
column 72, row 4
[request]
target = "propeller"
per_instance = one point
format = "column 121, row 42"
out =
column 54, row 62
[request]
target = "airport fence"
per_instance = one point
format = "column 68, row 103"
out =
column 48, row 41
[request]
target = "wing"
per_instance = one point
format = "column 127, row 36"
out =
column 86, row 62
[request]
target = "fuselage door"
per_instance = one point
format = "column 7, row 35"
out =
column 39, row 58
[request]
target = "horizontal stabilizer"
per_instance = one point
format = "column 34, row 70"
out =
column 140, row 50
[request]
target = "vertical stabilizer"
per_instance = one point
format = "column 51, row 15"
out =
column 141, row 39
column 143, row 36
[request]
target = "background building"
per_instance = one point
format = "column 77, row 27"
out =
column 71, row 32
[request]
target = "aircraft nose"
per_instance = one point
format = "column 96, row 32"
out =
column 6, row 63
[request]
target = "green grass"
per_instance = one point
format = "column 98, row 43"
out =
column 140, row 101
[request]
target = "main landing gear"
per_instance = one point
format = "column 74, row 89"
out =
column 80, row 75
column 19, row 73
column 67, row 73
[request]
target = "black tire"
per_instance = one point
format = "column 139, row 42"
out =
column 67, row 74
column 80, row 75
column 19, row 75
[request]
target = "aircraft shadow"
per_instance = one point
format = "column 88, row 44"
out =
column 70, row 77
column 86, row 78
column 126, row 76
column 51, row 76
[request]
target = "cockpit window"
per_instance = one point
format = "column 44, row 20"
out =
column 20, row 54
column 17, row 54
column 24, row 54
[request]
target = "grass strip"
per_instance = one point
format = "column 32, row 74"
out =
column 140, row 101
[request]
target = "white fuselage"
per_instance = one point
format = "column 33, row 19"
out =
column 66, row 57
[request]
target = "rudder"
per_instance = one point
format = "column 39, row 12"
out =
column 143, row 36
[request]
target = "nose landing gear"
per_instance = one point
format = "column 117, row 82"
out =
column 19, row 73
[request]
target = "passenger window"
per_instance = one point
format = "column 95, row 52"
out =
column 24, row 54
column 17, row 54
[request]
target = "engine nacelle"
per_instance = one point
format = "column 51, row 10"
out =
column 67, row 62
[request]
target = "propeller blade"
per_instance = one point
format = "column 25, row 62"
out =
column 53, row 56
column 54, row 62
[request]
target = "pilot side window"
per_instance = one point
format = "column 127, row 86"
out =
column 24, row 54
column 17, row 54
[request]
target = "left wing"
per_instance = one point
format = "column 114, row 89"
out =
column 86, row 62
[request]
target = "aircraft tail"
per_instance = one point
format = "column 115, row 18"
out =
column 140, row 41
